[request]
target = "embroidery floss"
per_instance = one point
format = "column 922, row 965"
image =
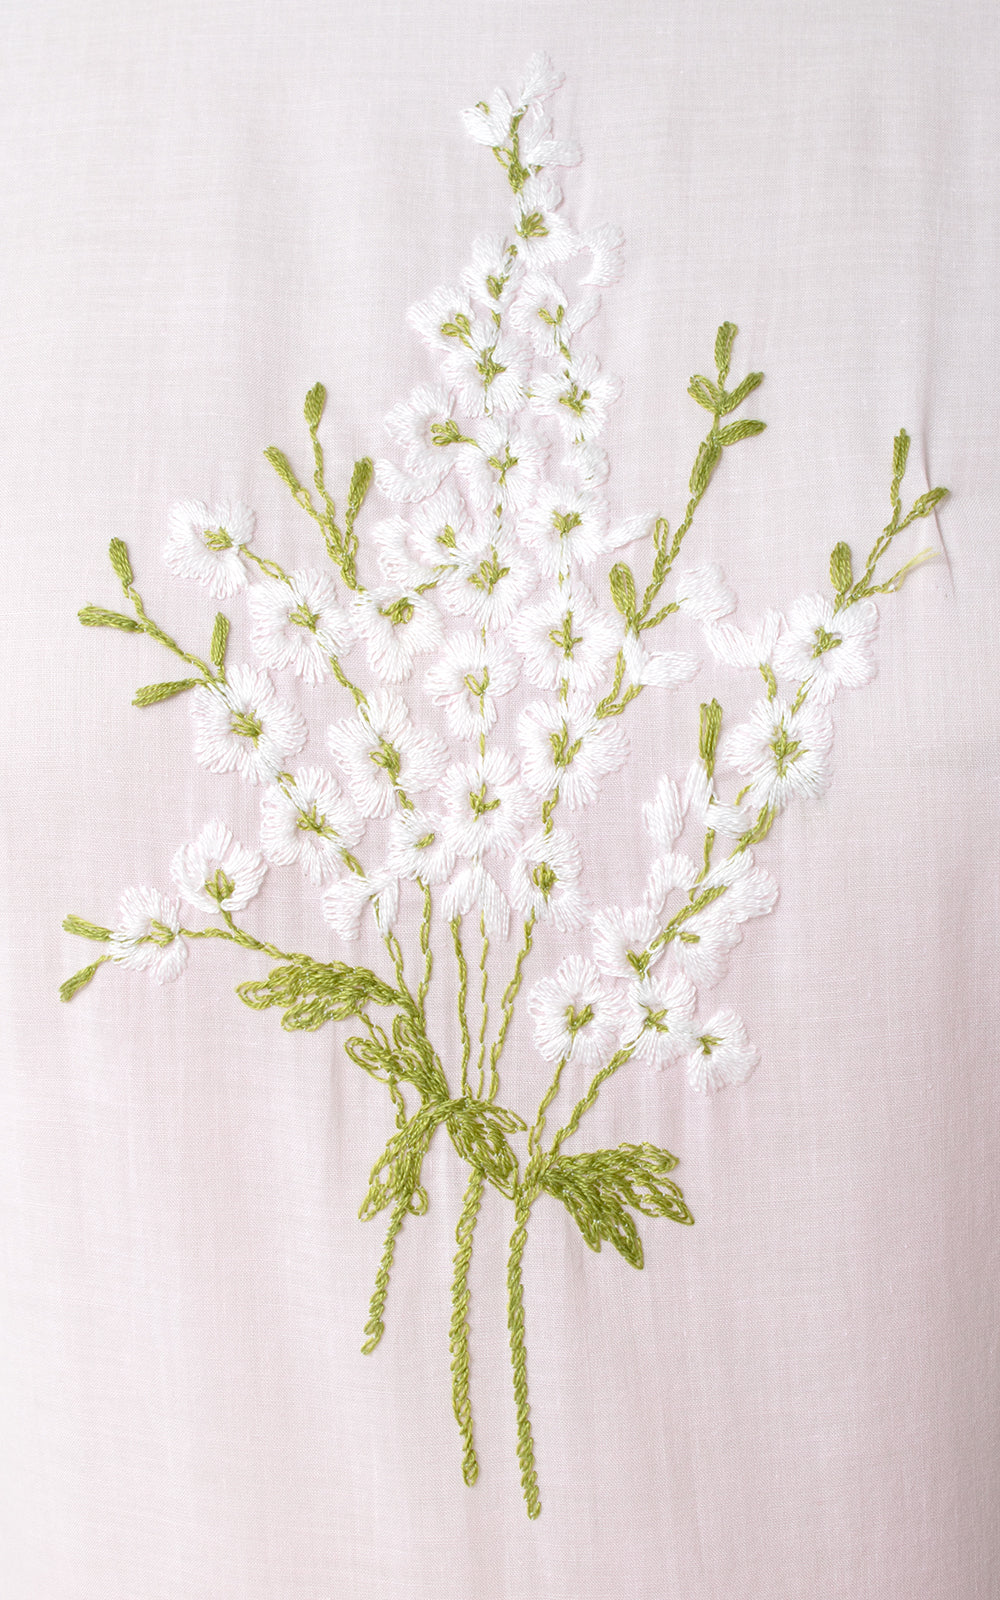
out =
column 498, row 497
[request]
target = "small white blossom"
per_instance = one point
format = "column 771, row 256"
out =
column 783, row 752
column 474, row 889
column 541, row 79
column 382, row 753
column 723, row 1054
column 397, row 624
column 664, row 816
column 419, row 423
column 660, row 669
column 413, row 551
column 622, row 939
column 419, row 848
column 489, row 124
column 299, row 624
column 543, row 237
column 577, row 396
column 750, row 891
column 345, row 902
column 441, row 319
column 606, row 245
column 567, row 747
column 494, row 275
column 205, row 544
column 831, row 651
column 547, row 315
column 669, row 872
column 702, row 945
column 704, row 593
column 490, row 578
column 307, row 819
column 243, row 726
column 216, row 872
column 543, row 880
column 564, row 526
column 575, row 1014
column 503, row 466
column 565, row 638
column 468, row 678
column 660, row 1009
column 736, row 648
column 147, row 936
column 486, row 804
column 488, row 370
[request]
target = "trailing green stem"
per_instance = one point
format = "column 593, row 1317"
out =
column 459, row 1337
column 375, row 1327
column 518, row 1356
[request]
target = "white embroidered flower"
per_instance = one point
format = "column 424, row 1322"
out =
column 442, row 318
column 547, row 315
column 750, row 891
column 736, row 648
column 606, row 246
column 539, row 149
column 660, row 1009
column 216, row 872
column 147, row 936
column 409, row 487
column 494, row 275
column 489, row 124
column 543, row 880
column 382, row 753
column 563, row 526
column 486, row 805
column 503, row 466
column 419, row 848
column 473, row 889
column 783, row 752
column 205, row 544
column 701, row 801
column 723, row 1055
column 578, row 396
column 661, row 669
column 345, row 902
column 622, row 939
column 702, row 944
column 307, row 819
column 468, row 678
column 567, row 747
column 664, row 817
column 298, row 624
column 490, row 578
column 541, row 79
column 421, row 424
column 243, row 726
column 831, row 651
column 543, row 237
column 704, row 593
column 565, row 638
column 576, row 1014
column 669, row 872
column 488, row 369
column 411, row 552
column 397, row 624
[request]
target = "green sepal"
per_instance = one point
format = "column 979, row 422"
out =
column 79, row 980
column 709, row 452
column 152, row 693
column 314, row 406
column 85, row 930
column 97, row 617
column 900, row 454
column 597, row 1187
column 740, row 430
column 709, row 728
column 724, row 348
column 220, row 638
column 314, row 992
column 841, row 567
column 121, row 563
column 752, row 381
column 925, row 503
column 707, row 393
column 623, row 589
column 361, row 482
column 283, row 468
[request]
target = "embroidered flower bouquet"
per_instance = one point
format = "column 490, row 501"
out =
column 495, row 604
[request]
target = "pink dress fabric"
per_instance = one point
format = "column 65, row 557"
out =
column 206, row 208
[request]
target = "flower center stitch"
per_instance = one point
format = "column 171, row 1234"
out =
column 786, row 751
column 575, row 399
column 220, row 885
column 563, row 752
column 544, row 878
column 479, row 803
column 304, row 617
column 217, row 539
column 656, row 1021
column 246, row 725
column 159, row 934
column 824, row 642
column 708, row 1043
column 502, row 464
column 533, row 226
column 400, row 611
column 488, row 573
column 564, row 638
column 575, row 1020
column 310, row 822
column 565, row 521
column 387, row 757
column 488, row 368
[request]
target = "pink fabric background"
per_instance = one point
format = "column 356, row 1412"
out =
column 205, row 209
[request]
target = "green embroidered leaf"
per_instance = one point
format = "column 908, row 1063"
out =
column 361, row 482
column 841, row 567
column 120, row 562
column 79, row 980
column 85, row 930
column 925, row 503
column 704, row 465
column 313, row 408
column 316, row 992
column 154, row 692
column 597, row 1187
column 708, row 733
column 724, row 348
column 220, row 638
column 900, row 454
column 740, row 430
column 752, row 381
column 707, row 393
column 623, row 589
column 283, row 468
column 478, row 1131
column 396, row 1174
column 97, row 617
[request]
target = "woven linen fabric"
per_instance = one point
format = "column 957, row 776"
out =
column 206, row 209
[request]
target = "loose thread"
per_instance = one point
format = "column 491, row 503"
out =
column 375, row 1327
column 518, row 1355
column 458, row 1342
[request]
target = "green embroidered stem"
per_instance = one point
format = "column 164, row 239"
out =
column 518, row 1355
column 584, row 1105
column 484, row 988
column 507, row 1006
column 236, row 936
column 459, row 1337
column 463, row 1000
column 841, row 575
column 426, row 951
column 535, row 1135
column 375, row 1326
